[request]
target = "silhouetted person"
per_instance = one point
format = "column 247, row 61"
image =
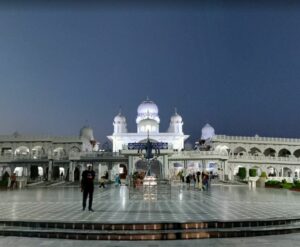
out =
column 87, row 187
column 13, row 179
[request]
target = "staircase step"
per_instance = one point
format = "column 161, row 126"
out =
column 148, row 226
column 83, row 234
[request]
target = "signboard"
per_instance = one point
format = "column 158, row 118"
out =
column 155, row 145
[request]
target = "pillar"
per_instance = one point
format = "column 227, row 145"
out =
column 71, row 171
column 50, row 168
column 166, row 169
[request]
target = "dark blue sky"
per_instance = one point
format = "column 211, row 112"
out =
column 235, row 67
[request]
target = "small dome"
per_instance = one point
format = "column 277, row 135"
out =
column 87, row 132
column 120, row 118
column 207, row 132
column 176, row 118
column 147, row 110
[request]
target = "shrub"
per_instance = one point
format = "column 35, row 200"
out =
column 4, row 180
column 242, row 172
column 263, row 175
column 297, row 185
column 287, row 185
column 252, row 172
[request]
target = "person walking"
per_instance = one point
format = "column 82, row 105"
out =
column 87, row 187
column 13, row 181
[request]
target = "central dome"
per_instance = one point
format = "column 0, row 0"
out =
column 147, row 106
column 147, row 110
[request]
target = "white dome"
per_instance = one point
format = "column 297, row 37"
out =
column 147, row 110
column 120, row 118
column 176, row 118
column 147, row 106
column 87, row 132
column 207, row 132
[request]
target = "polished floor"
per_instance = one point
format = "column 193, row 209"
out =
column 221, row 202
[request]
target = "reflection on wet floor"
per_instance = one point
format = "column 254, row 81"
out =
column 113, row 204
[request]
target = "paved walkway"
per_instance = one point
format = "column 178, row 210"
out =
column 222, row 202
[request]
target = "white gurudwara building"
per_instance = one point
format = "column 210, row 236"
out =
column 147, row 121
column 52, row 158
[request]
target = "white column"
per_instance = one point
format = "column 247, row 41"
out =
column 50, row 170
column 71, row 171
column 166, row 167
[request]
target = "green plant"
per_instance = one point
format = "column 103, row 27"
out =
column 287, row 185
column 252, row 172
column 242, row 172
column 263, row 175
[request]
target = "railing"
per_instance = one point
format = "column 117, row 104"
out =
column 22, row 157
column 157, row 189
column 264, row 158
column 94, row 155
column 256, row 139
column 199, row 154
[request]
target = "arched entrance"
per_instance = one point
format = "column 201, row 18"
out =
column 77, row 174
column 123, row 171
column 272, row 171
column 141, row 166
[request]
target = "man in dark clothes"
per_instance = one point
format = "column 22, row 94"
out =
column 87, row 187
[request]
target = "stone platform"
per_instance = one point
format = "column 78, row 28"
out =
column 223, row 211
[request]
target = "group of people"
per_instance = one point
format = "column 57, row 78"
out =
column 201, row 180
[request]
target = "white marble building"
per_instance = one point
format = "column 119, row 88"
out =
column 224, row 155
column 147, row 121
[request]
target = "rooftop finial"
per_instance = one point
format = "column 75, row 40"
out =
column 120, row 110
column 147, row 98
column 175, row 110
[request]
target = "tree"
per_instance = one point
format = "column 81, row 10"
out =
column 252, row 172
column 242, row 172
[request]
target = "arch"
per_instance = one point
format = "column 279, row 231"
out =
column 59, row 153
column 18, row 171
column 223, row 149
column 123, row 171
column 255, row 151
column 287, row 172
column 284, row 153
column 77, row 174
column 22, row 151
column 37, row 152
column 155, row 165
column 258, row 170
column 239, row 151
column 62, row 173
column 236, row 170
column 178, row 165
column 74, row 149
column 270, row 152
column 297, row 153
column 272, row 171
column 192, row 167
column 41, row 171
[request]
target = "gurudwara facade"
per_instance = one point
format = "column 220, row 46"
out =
column 53, row 158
